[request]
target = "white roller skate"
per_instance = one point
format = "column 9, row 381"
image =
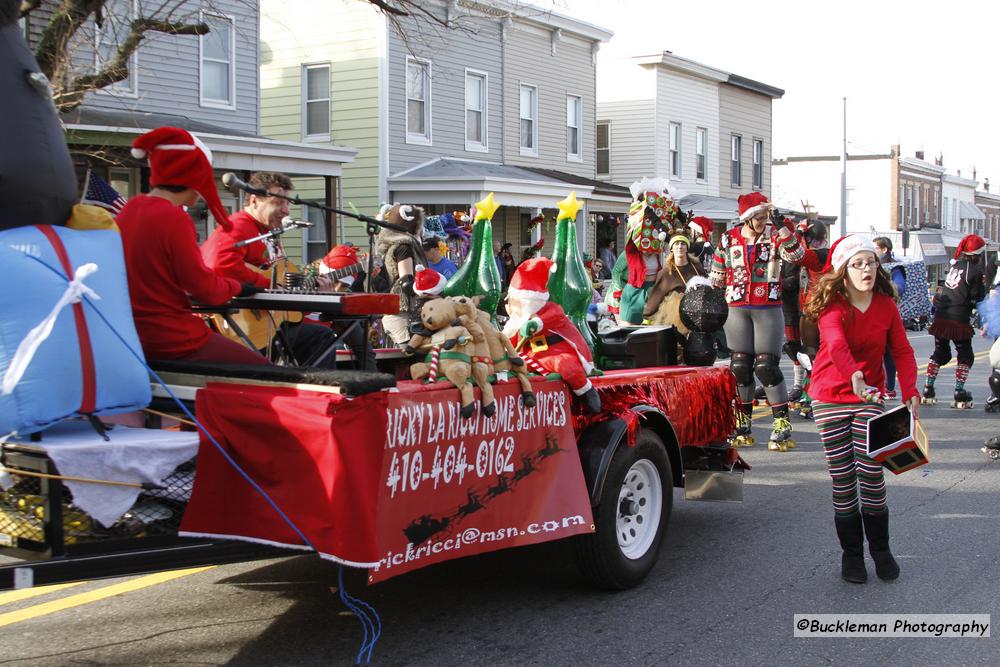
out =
column 992, row 448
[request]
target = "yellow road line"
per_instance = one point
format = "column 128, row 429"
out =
column 97, row 594
column 28, row 593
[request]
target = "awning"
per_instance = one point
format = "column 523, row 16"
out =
column 231, row 150
column 722, row 209
column 449, row 180
column 931, row 247
column 967, row 211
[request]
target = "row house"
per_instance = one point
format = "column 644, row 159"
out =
column 915, row 202
column 502, row 100
column 708, row 130
column 206, row 84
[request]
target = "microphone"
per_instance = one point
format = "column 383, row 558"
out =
column 289, row 223
column 234, row 184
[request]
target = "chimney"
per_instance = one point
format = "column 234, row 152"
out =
column 920, row 155
column 986, row 184
column 939, row 160
column 959, row 173
column 973, row 172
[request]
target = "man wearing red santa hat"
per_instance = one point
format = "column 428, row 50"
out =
column 540, row 331
column 162, row 259
column 964, row 287
column 338, row 272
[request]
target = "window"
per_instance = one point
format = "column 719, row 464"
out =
column 603, row 148
column 701, row 164
column 118, row 17
column 529, row 120
column 736, row 160
column 574, row 123
column 675, row 149
column 315, row 236
column 316, row 101
column 758, row 164
column 418, row 101
column 476, row 86
column 217, row 76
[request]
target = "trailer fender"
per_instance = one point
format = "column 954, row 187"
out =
column 598, row 443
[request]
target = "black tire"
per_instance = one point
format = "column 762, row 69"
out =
column 599, row 554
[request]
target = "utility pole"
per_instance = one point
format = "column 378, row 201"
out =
column 843, row 178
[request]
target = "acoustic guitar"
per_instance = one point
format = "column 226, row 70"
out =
column 261, row 325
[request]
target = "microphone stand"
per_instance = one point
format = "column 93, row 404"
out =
column 372, row 226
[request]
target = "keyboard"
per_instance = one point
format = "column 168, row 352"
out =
column 327, row 303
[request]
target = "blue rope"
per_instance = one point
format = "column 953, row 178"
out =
column 358, row 607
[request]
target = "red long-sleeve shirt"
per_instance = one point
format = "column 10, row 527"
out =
column 222, row 256
column 164, row 266
column 851, row 340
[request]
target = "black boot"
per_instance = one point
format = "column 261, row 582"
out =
column 877, row 530
column 591, row 401
column 852, row 541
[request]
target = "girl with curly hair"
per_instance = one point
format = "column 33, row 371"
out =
column 854, row 306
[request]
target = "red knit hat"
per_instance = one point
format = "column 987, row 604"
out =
column 971, row 244
column 705, row 225
column 752, row 203
column 531, row 279
column 177, row 157
column 340, row 257
column 428, row 282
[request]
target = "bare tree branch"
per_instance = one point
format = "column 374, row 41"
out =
column 118, row 69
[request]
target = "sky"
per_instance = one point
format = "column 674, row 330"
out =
column 918, row 74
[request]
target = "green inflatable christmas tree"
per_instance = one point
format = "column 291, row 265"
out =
column 570, row 286
column 479, row 275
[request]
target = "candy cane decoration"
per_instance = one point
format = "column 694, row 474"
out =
column 533, row 365
column 435, row 363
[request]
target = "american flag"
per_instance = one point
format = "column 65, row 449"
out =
column 100, row 193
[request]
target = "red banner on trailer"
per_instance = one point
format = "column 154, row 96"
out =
column 393, row 481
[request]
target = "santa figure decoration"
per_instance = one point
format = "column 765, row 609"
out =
column 541, row 332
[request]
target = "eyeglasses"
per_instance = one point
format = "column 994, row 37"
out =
column 861, row 264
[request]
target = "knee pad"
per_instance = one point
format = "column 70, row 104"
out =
column 766, row 367
column 741, row 366
column 792, row 348
column 965, row 354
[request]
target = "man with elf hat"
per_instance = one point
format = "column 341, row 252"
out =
column 747, row 264
column 250, row 262
column 162, row 259
column 543, row 335
column 964, row 287
column 338, row 272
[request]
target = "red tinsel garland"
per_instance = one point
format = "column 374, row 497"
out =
column 698, row 401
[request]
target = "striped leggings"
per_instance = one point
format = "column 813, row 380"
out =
column 842, row 430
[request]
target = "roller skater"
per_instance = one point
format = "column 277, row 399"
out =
column 747, row 264
column 853, row 305
column 809, row 269
column 963, row 288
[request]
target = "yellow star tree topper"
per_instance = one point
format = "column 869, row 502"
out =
column 569, row 207
column 485, row 208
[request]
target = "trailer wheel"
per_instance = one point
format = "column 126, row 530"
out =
column 631, row 516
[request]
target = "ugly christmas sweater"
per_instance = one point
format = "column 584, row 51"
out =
column 751, row 272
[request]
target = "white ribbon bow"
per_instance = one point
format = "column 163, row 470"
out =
column 75, row 291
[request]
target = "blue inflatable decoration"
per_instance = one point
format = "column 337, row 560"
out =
column 58, row 357
column 989, row 313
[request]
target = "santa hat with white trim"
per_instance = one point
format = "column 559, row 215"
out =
column 752, row 203
column 428, row 282
column 971, row 244
column 177, row 157
column 531, row 279
column 845, row 248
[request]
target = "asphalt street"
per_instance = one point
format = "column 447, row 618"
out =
column 728, row 582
